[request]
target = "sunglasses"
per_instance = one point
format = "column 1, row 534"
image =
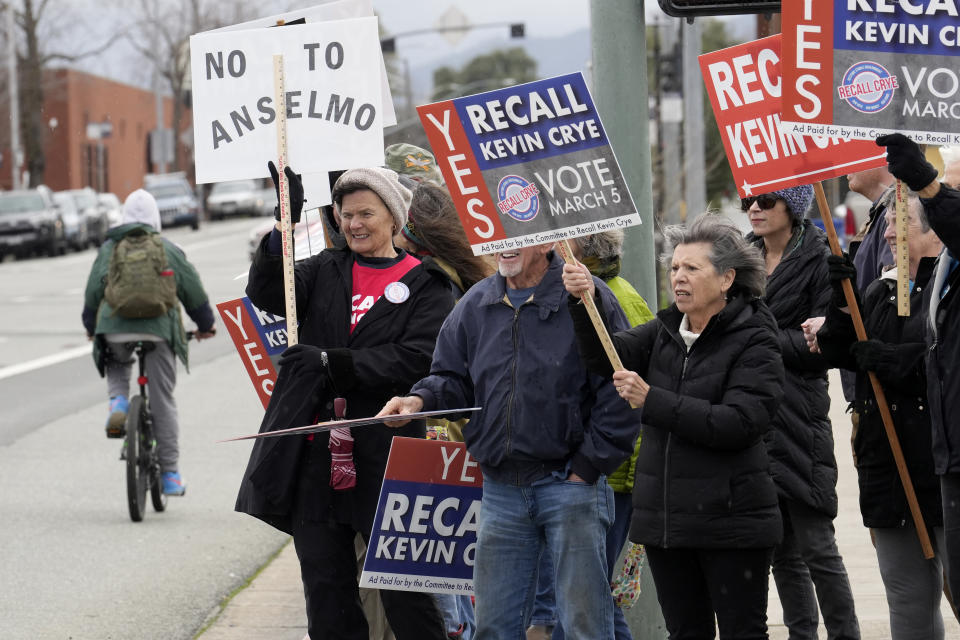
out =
column 764, row 201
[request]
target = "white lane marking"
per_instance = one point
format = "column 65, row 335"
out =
column 20, row 299
column 45, row 361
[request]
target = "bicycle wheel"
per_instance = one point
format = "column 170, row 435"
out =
column 157, row 496
column 137, row 469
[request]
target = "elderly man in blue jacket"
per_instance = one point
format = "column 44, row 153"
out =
column 545, row 437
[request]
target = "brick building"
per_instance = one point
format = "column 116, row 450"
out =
column 117, row 163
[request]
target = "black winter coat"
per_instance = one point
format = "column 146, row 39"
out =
column 388, row 351
column 882, row 499
column 943, row 337
column 800, row 441
column 702, row 478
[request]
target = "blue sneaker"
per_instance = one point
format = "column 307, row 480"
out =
column 173, row 484
column 117, row 418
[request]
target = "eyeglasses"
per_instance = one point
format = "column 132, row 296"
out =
column 764, row 201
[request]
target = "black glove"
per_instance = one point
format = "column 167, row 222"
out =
column 906, row 162
column 296, row 191
column 305, row 359
column 879, row 357
column 840, row 268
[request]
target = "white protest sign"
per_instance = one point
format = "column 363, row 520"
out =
column 336, row 10
column 332, row 89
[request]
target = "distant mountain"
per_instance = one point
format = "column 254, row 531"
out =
column 555, row 56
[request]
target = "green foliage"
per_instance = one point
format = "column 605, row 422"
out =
column 500, row 68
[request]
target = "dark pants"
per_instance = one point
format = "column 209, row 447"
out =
column 808, row 570
column 328, row 568
column 950, row 493
column 694, row 585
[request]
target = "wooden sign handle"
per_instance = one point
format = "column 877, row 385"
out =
column 566, row 252
column 286, row 228
column 877, row 389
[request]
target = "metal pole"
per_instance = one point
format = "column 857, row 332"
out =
column 695, row 181
column 15, row 152
column 158, row 140
column 620, row 91
column 619, row 46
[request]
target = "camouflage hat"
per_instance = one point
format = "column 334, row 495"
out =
column 410, row 160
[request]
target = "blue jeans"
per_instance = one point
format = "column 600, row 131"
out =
column 516, row 524
column 457, row 610
column 545, row 605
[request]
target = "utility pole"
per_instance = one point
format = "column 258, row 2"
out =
column 15, row 152
column 694, row 137
column 157, row 139
column 619, row 47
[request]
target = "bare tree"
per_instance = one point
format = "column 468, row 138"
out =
column 40, row 23
column 161, row 34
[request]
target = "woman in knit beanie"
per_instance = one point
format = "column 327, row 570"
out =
column 369, row 315
column 800, row 441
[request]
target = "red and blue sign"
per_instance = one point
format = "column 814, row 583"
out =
column 424, row 533
column 259, row 337
column 528, row 164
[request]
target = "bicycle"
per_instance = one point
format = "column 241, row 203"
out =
column 140, row 446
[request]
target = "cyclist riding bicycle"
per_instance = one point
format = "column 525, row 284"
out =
column 134, row 291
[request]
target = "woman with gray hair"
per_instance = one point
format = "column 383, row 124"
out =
column 708, row 375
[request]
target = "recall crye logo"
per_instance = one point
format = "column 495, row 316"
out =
column 867, row 87
column 517, row 198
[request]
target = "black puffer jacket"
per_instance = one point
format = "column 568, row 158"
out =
column 702, row 478
column 882, row 499
column 801, row 440
column 943, row 338
column 388, row 351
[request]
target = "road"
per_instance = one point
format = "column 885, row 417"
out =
column 73, row 564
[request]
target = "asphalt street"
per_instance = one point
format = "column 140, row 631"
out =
column 73, row 564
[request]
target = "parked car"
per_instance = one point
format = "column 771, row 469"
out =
column 30, row 222
column 237, row 197
column 74, row 223
column 308, row 239
column 89, row 208
column 176, row 200
column 112, row 207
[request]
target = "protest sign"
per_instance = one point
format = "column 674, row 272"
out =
column 425, row 531
column 528, row 164
column 744, row 86
column 861, row 68
column 332, row 90
column 260, row 338
column 336, row 10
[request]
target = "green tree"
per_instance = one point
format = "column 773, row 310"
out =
column 500, row 68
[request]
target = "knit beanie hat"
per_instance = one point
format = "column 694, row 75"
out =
column 383, row 182
column 411, row 160
column 141, row 206
column 798, row 199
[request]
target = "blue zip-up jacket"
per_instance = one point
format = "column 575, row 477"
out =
column 541, row 411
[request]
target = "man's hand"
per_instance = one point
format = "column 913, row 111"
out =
column 906, row 161
column 810, row 327
column 398, row 406
column 295, row 192
column 577, row 279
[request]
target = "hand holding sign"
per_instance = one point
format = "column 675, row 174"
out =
column 906, row 161
column 296, row 191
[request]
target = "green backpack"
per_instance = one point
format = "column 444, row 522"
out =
column 140, row 284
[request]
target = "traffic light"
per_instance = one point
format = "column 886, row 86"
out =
column 696, row 8
column 388, row 45
column 516, row 30
column 671, row 71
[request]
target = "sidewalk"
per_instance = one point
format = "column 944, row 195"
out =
column 272, row 605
